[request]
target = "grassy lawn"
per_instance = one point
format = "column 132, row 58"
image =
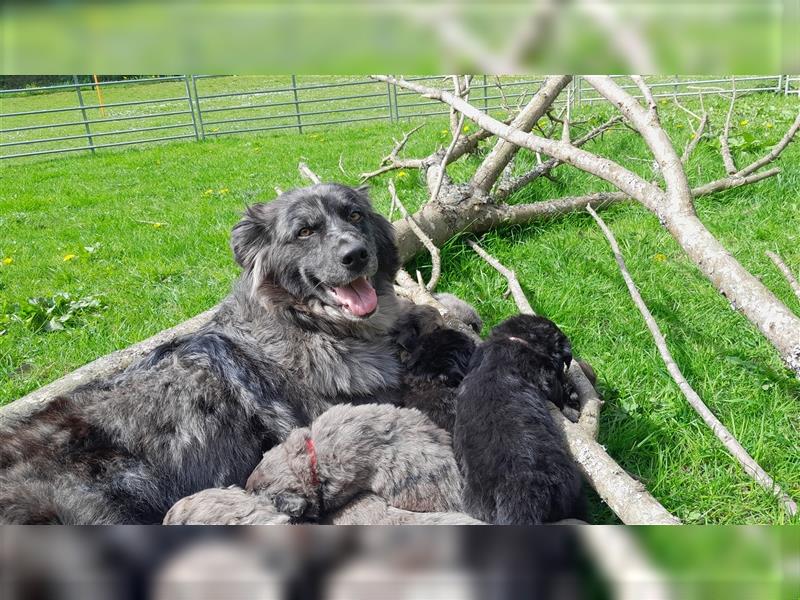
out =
column 145, row 230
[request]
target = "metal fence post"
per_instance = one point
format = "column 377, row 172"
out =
column 396, row 105
column 191, row 107
column 83, row 112
column 389, row 101
column 199, row 111
column 296, row 105
column 485, row 96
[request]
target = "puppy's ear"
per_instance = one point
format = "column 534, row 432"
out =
column 291, row 504
column 251, row 234
column 564, row 354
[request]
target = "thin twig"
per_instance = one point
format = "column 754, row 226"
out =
column 727, row 158
column 750, row 466
column 436, row 261
column 695, row 139
column 787, row 272
column 443, row 164
column 306, row 172
column 776, row 150
column 652, row 107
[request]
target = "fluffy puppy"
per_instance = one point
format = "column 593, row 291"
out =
column 224, row 506
column 516, row 465
column 434, row 359
column 370, row 509
column 396, row 453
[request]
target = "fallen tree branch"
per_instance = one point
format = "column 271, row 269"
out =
column 733, row 446
column 590, row 402
column 787, row 272
column 506, row 188
column 391, row 162
column 441, row 168
column 727, row 158
column 776, row 150
column 306, row 172
column 492, row 166
column 695, row 139
column 436, row 261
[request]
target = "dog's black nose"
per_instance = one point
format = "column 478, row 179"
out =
column 354, row 256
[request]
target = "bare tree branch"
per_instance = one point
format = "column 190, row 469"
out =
column 436, row 261
column 391, row 161
column 787, row 272
column 727, row 158
column 733, row 446
column 695, row 139
column 441, row 168
column 776, row 149
column 306, row 172
column 506, row 188
column 503, row 151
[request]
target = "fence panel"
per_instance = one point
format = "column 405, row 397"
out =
column 88, row 116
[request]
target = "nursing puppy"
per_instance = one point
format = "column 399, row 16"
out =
column 396, row 453
column 305, row 327
column 516, row 465
column 435, row 360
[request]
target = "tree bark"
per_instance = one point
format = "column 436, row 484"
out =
column 504, row 151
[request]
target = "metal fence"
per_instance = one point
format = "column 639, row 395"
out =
column 80, row 117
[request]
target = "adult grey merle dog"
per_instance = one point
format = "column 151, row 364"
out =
column 305, row 327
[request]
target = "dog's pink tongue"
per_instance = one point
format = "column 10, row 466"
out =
column 358, row 297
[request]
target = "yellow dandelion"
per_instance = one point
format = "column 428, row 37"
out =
column 660, row 257
column 157, row 225
column 402, row 175
column 769, row 125
column 8, row 260
column 223, row 191
column 465, row 129
column 744, row 122
column 445, row 131
column 69, row 257
column 208, row 192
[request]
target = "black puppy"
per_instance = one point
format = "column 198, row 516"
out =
column 516, row 465
column 435, row 359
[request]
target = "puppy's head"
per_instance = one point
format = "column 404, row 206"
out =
column 442, row 355
column 321, row 248
column 535, row 334
column 283, row 477
column 416, row 321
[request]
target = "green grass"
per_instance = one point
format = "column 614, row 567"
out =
column 154, row 276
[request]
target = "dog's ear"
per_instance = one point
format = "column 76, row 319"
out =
column 251, row 234
column 291, row 504
column 388, row 257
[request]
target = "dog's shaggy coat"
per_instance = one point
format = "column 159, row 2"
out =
column 395, row 453
column 305, row 327
column 371, row 509
column 516, row 465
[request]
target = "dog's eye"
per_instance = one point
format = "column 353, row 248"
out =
column 305, row 232
column 355, row 216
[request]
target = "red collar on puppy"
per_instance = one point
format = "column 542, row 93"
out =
column 312, row 455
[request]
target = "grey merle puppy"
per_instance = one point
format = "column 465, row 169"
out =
column 395, row 453
column 306, row 326
column 516, row 465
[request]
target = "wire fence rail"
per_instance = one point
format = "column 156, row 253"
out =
column 86, row 117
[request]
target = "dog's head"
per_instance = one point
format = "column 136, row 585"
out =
column 322, row 249
column 535, row 334
column 283, row 478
